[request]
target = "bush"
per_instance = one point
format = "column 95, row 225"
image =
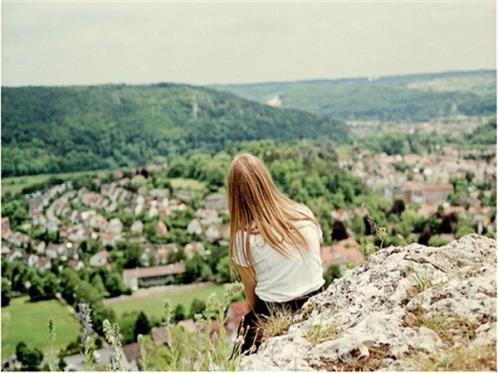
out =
column 463, row 231
column 179, row 313
column 142, row 325
column 196, row 307
column 437, row 241
column 29, row 358
column 333, row 272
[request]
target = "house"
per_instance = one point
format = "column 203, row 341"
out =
column 75, row 264
column 114, row 226
column 426, row 193
column 216, row 201
column 208, row 216
column 341, row 215
column 153, row 210
column 43, row 263
column 77, row 233
column 151, row 276
column 193, row 248
column 31, row 259
column 18, row 239
column 109, row 238
column 39, row 247
column 213, row 234
column 93, row 219
column 225, row 232
column 54, row 250
column 137, row 227
column 92, row 199
column 146, row 253
column 5, row 226
column 194, row 227
column 132, row 354
column 163, row 252
column 177, row 205
column 161, row 229
column 5, row 249
column 159, row 336
column 342, row 253
column 426, row 210
column 235, row 312
column 188, row 325
column 100, row 259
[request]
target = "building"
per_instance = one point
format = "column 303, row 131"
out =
column 100, row 259
column 151, row 276
column 5, row 227
column 424, row 193
column 342, row 253
column 235, row 312
column 216, row 201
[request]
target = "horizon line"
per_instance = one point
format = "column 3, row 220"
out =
column 260, row 82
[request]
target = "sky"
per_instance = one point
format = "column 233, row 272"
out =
column 94, row 42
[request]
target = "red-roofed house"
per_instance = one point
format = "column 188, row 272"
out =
column 426, row 193
column 235, row 312
column 342, row 253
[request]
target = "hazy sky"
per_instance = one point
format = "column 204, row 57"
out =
column 87, row 42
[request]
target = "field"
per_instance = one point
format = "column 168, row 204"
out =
column 151, row 300
column 15, row 184
column 192, row 184
column 28, row 322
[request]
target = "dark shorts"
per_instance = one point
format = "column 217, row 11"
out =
column 248, row 328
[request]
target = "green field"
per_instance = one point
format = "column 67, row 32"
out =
column 15, row 184
column 28, row 322
column 192, row 184
column 151, row 300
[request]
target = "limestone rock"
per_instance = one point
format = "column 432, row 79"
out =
column 407, row 306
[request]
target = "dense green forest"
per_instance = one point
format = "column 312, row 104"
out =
column 409, row 97
column 62, row 129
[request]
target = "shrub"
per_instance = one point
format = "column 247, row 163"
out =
column 463, row 231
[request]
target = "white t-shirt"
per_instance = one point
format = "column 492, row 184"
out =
column 280, row 278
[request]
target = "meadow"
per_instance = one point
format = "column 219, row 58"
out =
column 151, row 300
column 26, row 321
column 15, row 184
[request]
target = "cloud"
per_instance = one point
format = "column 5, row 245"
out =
column 54, row 43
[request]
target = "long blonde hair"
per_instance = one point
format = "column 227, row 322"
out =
column 256, row 207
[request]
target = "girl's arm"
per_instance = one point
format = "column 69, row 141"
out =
column 249, row 285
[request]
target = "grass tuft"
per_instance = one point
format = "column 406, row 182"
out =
column 481, row 358
column 319, row 333
column 276, row 323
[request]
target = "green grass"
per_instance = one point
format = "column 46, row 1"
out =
column 192, row 184
column 15, row 184
column 28, row 322
column 152, row 302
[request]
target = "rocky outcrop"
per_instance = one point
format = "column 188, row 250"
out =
column 408, row 308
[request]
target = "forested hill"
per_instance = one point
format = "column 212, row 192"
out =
column 395, row 98
column 61, row 129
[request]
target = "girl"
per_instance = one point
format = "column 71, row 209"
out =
column 274, row 243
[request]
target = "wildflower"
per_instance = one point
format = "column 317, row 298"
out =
column 85, row 320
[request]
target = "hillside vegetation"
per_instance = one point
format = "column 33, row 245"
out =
column 408, row 97
column 62, row 129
